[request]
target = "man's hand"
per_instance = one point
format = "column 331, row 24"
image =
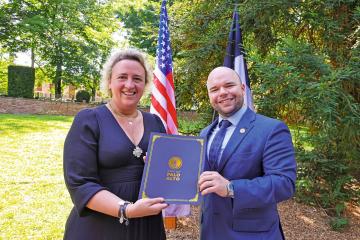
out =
column 213, row 182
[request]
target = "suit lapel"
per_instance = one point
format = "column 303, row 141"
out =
column 242, row 129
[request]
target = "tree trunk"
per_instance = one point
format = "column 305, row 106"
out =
column 93, row 90
column 32, row 57
column 58, row 75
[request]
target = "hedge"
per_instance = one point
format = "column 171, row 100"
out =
column 21, row 81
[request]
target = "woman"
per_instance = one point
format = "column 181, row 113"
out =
column 103, row 159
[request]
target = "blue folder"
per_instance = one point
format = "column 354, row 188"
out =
column 172, row 168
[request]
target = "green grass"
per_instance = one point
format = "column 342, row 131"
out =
column 34, row 202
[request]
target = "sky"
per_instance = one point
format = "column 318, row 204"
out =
column 23, row 59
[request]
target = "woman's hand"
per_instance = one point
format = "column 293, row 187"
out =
column 144, row 157
column 145, row 207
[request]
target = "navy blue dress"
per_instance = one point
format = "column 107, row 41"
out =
column 98, row 156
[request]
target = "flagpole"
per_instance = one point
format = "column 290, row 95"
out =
column 163, row 101
column 235, row 57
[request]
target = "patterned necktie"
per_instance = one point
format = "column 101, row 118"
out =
column 214, row 153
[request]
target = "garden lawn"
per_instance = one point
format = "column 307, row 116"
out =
column 34, row 202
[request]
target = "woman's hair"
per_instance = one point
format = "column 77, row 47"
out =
column 117, row 56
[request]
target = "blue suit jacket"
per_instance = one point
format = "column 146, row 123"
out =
column 261, row 163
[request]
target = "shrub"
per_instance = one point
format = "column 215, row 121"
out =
column 21, row 81
column 82, row 96
column 300, row 85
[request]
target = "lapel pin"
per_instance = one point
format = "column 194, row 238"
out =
column 242, row 130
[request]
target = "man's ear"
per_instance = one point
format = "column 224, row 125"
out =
column 243, row 87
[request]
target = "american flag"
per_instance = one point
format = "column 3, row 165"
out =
column 163, row 91
column 234, row 58
column 163, row 95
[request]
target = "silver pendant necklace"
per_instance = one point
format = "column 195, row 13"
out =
column 137, row 151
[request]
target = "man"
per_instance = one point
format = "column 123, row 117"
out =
column 248, row 170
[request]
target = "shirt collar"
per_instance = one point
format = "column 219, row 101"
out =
column 236, row 117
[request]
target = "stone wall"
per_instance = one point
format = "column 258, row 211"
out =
column 35, row 106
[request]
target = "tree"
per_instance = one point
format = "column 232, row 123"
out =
column 141, row 22
column 5, row 61
column 303, row 59
column 62, row 34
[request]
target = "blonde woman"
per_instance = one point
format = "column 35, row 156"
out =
column 103, row 159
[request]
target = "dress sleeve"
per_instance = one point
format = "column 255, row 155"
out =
column 80, row 160
column 160, row 124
